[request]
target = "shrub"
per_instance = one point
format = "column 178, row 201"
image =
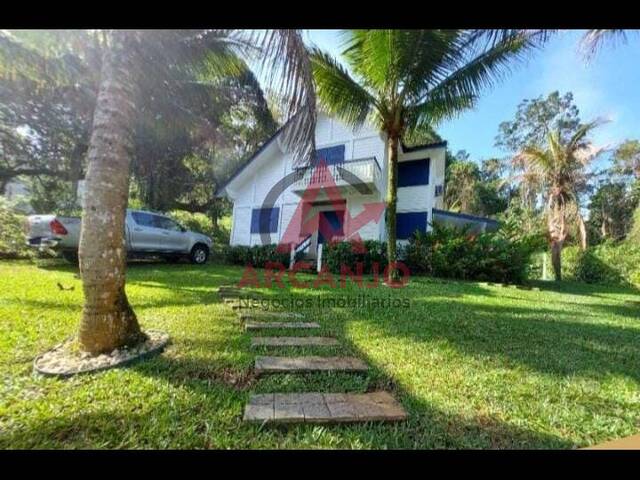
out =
column 337, row 254
column 12, row 239
column 256, row 256
column 611, row 263
column 454, row 253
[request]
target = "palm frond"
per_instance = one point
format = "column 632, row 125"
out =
column 289, row 72
column 594, row 39
column 339, row 93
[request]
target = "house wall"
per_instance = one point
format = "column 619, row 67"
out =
column 251, row 187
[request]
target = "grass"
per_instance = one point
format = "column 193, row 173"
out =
column 475, row 365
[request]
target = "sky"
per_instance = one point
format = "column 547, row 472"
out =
column 607, row 87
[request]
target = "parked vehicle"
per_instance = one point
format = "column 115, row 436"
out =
column 147, row 234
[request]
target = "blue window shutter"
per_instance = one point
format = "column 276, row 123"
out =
column 414, row 172
column 331, row 155
column 409, row 222
column 264, row 220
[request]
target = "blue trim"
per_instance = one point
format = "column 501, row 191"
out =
column 264, row 220
column 408, row 222
column 464, row 216
column 414, row 172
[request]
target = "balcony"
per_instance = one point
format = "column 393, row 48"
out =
column 355, row 176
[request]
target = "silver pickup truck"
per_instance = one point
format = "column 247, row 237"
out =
column 147, row 234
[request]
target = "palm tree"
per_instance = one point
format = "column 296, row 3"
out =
column 131, row 57
column 406, row 81
column 560, row 169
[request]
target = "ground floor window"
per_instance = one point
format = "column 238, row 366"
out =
column 409, row 222
column 264, row 220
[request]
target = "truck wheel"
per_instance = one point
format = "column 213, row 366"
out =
column 71, row 256
column 199, row 254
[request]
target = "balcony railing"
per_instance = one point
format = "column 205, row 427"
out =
column 362, row 171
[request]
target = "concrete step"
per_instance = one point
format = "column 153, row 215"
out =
column 264, row 315
column 265, row 364
column 276, row 325
column 292, row 341
column 323, row 408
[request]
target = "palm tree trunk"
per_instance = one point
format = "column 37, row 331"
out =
column 557, row 233
column 392, row 202
column 556, row 258
column 583, row 232
column 108, row 321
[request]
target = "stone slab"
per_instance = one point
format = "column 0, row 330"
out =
column 263, row 315
column 264, row 364
column 324, row 408
column 277, row 325
column 293, row 341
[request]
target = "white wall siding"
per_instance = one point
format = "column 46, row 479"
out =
column 249, row 189
column 241, row 226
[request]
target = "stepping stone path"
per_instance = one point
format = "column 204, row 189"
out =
column 308, row 364
column 276, row 325
column 323, row 408
column 305, row 407
column 293, row 341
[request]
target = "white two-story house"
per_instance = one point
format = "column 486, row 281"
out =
column 268, row 189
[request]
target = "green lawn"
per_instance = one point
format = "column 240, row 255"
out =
column 475, row 365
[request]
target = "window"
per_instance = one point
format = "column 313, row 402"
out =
column 439, row 190
column 143, row 219
column 331, row 155
column 414, row 172
column 166, row 223
column 264, row 220
column 409, row 222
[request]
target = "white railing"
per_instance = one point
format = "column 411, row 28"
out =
column 363, row 171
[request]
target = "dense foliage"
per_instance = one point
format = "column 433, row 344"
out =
column 350, row 254
column 608, row 263
column 257, row 256
column 454, row 253
column 12, row 242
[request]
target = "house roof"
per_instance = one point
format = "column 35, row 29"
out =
column 424, row 146
column 241, row 168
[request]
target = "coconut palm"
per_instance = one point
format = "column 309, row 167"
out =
column 131, row 57
column 406, row 81
column 560, row 168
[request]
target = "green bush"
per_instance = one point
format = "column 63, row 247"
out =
column 12, row 238
column 256, row 256
column 337, row 254
column 454, row 253
column 612, row 263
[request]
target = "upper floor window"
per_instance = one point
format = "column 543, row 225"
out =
column 264, row 220
column 413, row 172
column 331, row 155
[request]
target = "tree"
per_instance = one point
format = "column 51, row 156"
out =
column 611, row 211
column 559, row 167
column 626, row 159
column 462, row 180
column 130, row 59
column 48, row 83
column 406, row 81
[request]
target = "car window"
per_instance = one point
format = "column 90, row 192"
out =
column 165, row 223
column 143, row 219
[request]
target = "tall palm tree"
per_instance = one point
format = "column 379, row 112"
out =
column 131, row 57
column 405, row 81
column 560, row 168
